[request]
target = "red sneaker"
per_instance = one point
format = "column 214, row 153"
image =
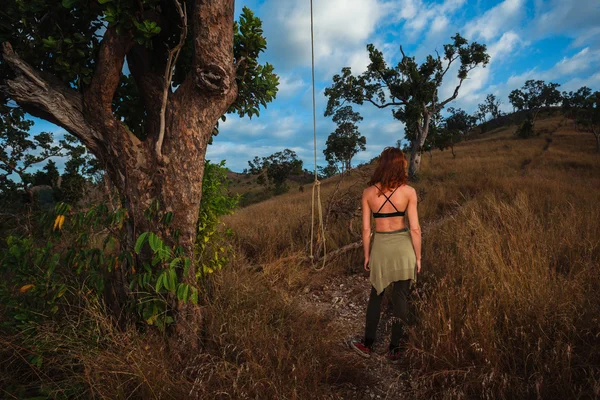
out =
column 360, row 348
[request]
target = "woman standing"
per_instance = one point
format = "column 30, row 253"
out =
column 395, row 259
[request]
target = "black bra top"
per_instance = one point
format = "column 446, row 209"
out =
column 387, row 199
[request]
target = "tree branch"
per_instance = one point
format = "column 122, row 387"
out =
column 168, row 78
column 384, row 105
column 449, row 99
column 107, row 74
column 214, row 68
column 7, row 166
column 149, row 83
column 44, row 96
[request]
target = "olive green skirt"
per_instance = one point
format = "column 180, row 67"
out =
column 392, row 259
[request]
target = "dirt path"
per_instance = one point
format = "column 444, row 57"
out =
column 344, row 298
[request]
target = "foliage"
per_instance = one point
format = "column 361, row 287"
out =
column 211, row 247
column 583, row 107
column 343, row 144
column 459, row 121
column 21, row 156
column 572, row 101
column 71, row 256
column 534, row 95
column 42, row 272
column 525, row 130
column 63, row 39
column 275, row 169
column 453, row 128
column 20, row 153
column 490, row 106
column 327, row 171
column 73, row 250
column 257, row 86
column 481, row 113
column 409, row 88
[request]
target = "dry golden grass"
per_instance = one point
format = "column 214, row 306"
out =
column 509, row 298
column 510, row 295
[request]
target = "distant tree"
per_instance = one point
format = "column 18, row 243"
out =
column 517, row 99
column 583, row 107
column 572, row 101
column 534, row 95
column 460, row 121
column 343, row 144
column 327, row 171
column 275, row 169
column 482, row 112
column 409, row 88
column 454, row 128
column 492, row 105
column 21, row 154
column 49, row 175
column 80, row 169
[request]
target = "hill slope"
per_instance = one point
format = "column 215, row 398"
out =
column 509, row 297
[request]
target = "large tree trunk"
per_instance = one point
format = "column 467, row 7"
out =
column 141, row 172
column 417, row 147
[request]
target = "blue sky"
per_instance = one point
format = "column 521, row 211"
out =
column 553, row 40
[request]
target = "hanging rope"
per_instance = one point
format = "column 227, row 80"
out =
column 316, row 189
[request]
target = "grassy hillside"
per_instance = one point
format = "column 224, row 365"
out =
column 507, row 305
column 509, row 297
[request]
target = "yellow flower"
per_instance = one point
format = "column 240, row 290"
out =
column 59, row 221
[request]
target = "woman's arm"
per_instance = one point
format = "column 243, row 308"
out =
column 415, row 228
column 366, row 227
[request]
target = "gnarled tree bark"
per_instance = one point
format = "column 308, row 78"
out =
column 190, row 115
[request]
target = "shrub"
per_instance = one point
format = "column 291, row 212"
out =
column 525, row 130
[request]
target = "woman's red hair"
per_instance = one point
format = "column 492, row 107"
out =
column 391, row 171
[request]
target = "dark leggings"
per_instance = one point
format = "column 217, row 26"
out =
column 400, row 292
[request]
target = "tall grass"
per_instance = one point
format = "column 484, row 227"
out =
column 510, row 295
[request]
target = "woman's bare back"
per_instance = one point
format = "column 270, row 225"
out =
column 378, row 203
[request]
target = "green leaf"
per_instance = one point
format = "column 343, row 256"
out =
column 174, row 262
column 186, row 266
column 194, row 296
column 104, row 1
column 186, row 292
column 140, row 242
column 160, row 282
column 154, row 241
column 172, row 279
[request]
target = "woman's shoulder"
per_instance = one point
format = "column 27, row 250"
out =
column 369, row 189
column 408, row 188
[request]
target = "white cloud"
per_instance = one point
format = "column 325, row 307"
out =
column 234, row 125
column 245, row 152
column 417, row 16
column 573, row 18
column 575, row 83
column 289, row 85
column 504, row 46
column 578, row 63
column 496, row 20
column 340, row 26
